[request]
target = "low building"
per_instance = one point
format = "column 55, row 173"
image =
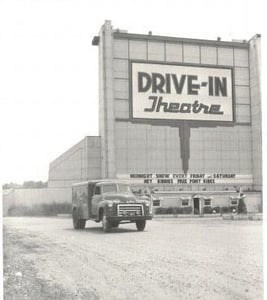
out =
column 81, row 162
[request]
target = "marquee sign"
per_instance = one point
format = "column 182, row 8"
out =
column 181, row 92
column 184, row 179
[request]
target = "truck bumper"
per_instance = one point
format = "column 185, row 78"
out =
column 128, row 218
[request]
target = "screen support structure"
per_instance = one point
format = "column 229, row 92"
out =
column 184, row 134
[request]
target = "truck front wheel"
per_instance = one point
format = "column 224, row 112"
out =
column 115, row 224
column 105, row 223
column 140, row 225
column 77, row 223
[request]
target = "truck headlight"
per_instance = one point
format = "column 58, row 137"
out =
column 110, row 204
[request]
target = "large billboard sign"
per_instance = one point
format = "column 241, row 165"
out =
column 181, row 92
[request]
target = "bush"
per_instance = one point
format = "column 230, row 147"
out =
column 17, row 210
column 43, row 209
column 207, row 209
column 160, row 211
column 173, row 210
column 187, row 210
column 228, row 209
column 170, row 210
column 217, row 209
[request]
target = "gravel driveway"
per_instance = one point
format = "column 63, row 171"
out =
column 44, row 258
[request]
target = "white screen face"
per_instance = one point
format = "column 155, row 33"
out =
column 179, row 92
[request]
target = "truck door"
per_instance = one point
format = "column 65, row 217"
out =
column 95, row 200
column 91, row 189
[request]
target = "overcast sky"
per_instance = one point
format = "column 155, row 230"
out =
column 49, row 70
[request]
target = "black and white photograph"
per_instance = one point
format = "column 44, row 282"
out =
column 132, row 149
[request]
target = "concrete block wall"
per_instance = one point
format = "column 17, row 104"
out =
column 106, row 105
column 79, row 163
column 256, row 116
column 221, row 150
column 143, row 148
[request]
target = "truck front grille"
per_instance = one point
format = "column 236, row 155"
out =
column 130, row 210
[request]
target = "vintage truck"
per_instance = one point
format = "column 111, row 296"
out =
column 109, row 202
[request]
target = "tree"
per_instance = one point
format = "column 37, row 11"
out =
column 26, row 185
column 11, row 185
column 34, row 184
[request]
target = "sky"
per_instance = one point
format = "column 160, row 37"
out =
column 49, row 69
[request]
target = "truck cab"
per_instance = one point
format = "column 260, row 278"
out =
column 110, row 202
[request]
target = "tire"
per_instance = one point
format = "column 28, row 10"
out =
column 82, row 223
column 140, row 225
column 115, row 224
column 106, row 225
column 77, row 223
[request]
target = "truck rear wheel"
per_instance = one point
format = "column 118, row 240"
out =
column 106, row 226
column 140, row 225
column 77, row 223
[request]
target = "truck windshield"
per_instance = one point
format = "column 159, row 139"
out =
column 124, row 188
column 114, row 188
column 109, row 188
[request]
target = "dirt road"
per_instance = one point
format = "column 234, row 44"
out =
column 171, row 259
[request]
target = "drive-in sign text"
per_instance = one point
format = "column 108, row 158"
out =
column 180, row 92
